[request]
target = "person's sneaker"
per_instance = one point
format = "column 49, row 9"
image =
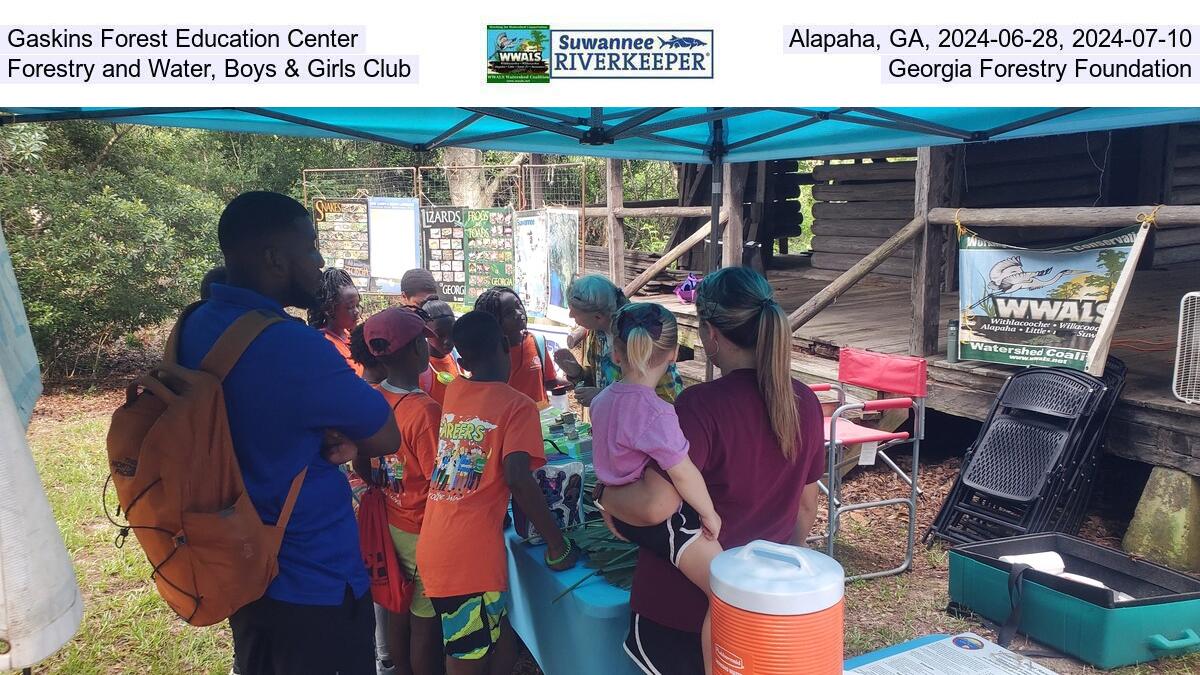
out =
column 385, row 667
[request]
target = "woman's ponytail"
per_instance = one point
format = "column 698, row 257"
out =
column 774, row 359
column 739, row 303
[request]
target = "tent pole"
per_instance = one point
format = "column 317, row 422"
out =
column 714, row 234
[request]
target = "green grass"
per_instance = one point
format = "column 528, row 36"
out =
column 126, row 627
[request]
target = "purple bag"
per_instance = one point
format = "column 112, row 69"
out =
column 686, row 291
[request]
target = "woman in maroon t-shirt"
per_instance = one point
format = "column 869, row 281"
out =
column 755, row 433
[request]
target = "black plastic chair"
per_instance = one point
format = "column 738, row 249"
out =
column 1033, row 464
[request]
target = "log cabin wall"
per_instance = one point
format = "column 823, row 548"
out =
column 859, row 205
column 1182, row 186
column 595, row 261
column 856, row 207
column 1069, row 170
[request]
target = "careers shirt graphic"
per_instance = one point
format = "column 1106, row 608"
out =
column 462, row 457
column 482, row 424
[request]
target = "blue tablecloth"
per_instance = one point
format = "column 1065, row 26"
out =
column 581, row 634
column 865, row 659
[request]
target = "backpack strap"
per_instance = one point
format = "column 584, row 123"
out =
column 285, row 514
column 229, row 347
column 171, row 352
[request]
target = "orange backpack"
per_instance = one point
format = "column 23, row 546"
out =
column 177, row 479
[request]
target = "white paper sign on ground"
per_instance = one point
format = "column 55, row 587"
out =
column 962, row 653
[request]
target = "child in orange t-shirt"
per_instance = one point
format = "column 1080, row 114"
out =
column 336, row 312
column 531, row 371
column 394, row 339
column 490, row 440
column 443, row 364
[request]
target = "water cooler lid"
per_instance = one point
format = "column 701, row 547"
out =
column 769, row 578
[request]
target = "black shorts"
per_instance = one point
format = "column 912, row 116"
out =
column 659, row 650
column 668, row 539
column 272, row 637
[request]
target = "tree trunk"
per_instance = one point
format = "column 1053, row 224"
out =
column 472, row 186
column 468, row 187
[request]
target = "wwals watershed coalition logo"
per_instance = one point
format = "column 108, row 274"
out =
column 525, row 54
column 518, row 54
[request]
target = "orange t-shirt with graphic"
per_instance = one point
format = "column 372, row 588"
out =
column 527, row 373
column 342, row 344
column 405, row 473
column 429, row 381
column 461, row 548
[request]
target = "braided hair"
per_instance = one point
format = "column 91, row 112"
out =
column 489, row 301
column 434, row 308
column 358, row 348
column 333, row 280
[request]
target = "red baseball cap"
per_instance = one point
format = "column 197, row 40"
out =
column 396, row 328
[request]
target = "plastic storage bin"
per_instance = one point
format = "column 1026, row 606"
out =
column 1084, row 621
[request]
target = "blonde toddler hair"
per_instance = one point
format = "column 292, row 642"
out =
column 644, row 333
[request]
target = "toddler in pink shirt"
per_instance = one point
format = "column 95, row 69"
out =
column 632, row 426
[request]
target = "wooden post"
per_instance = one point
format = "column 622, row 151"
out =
column 733, row 189
column 761, row 254
column 860, row 269
column 1168, row 217
column 616, row 228
column 934, row 176
column 669, row 257
column 662, row 211
column 1168, row 174
column 1097, row 356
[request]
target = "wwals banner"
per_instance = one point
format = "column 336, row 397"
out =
column 1043, row 307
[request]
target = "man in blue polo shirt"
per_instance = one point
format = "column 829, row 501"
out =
column 286, row 393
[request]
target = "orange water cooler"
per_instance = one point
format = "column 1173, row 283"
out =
column 776, row 610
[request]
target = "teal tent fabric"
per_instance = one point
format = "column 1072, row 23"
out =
column 18, row 360
column 671, row 134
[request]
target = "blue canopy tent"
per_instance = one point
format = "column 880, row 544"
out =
column 670, row 134
column 696, row 135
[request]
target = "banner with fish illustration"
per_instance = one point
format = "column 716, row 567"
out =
column 1043, row 307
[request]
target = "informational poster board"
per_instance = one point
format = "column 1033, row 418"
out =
column 1044, row 307
column 531, row 260
column 395, row 240
column 442, row 229
column 563, row 234
column 489, row 250
column 343, row 237
column 962, row 653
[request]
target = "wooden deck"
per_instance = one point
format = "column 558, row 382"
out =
column 1149, row 425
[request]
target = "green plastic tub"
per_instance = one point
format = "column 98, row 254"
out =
column 1162, row 620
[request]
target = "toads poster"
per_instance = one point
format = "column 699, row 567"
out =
column 489, row 250
column 1042, row 307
